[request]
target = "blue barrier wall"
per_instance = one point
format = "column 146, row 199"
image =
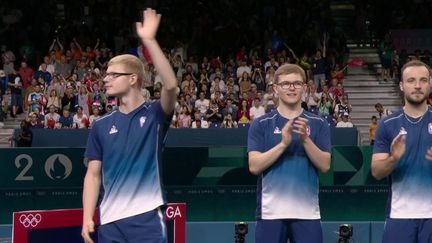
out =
column 178, row 137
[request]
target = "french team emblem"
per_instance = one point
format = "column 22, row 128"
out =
column 430, row 128
column 113, row 130
column 142, row 121
column 403, row 131
column 308, row 130
column 277, row 130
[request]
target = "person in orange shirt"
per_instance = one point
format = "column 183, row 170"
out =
column 372, row 128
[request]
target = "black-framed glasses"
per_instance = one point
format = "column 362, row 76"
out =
column 287, row 85
column 114, row 75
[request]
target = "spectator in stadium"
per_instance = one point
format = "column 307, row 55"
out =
column 372, row 128
column 244, row 83
column 286, row 149
column 199, row 121
column 253, row 92
column 257, row 110
column 80, row 120
column 25, row 135
column 258, row 78
column 184, row 118
column 343, row 107
column 270, row 75
column 15, row 87
column 228, row 122
column 69, row 100
column 37, row 99
column 140, row 219
column 96, row 110
column 84, row 100
column 324, row 105
column 243, row 68
column 26, row 74
column 202, row 104
column 57, row 48
column 52, row 117
column 337, row 73
column 382, row 112
column 243, row 112
column 44, row 74
column 33, row 120
column 344, row 121
column 312, row 98
column 66, row 120
column 214, row 115
column 269, row 99
column 386, row 54
column 319, row 63
column 336, row 90
column 229, row 108
column 403, row 152
column 53, row 99
column 62, row 67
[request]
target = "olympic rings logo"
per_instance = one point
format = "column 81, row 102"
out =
column 30, row 220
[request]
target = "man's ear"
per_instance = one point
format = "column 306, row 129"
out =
column 133, row 79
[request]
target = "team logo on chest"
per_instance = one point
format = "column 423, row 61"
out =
column 277, row 130
column 113, row 130
column 403, row 131
column 142, row 121
column 430, row 128
column 308, row 130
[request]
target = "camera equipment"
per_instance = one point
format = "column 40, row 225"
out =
column 241, row 230
column 345, row 233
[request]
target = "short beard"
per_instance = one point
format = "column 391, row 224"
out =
column 415, row 102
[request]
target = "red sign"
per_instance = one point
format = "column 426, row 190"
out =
column 31, row 226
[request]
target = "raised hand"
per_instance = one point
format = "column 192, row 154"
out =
column 397, row 147
column 147, row 29
column 286, row 133
column 300, row 125
column 429, row 154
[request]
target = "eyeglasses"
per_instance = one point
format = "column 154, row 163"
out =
column 115, row 75
column 287, row 85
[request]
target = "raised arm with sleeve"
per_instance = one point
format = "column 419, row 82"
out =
column 147, row 32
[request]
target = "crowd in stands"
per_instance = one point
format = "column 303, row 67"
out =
column 66, row 89
column 225, row 85
column 224, row 63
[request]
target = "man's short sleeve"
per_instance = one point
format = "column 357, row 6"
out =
column 256, row 137
column 323, row 137
column 94, row 145
column 382, row 140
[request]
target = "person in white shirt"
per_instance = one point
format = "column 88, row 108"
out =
column 243, row 68
column 257, row 109
column 345, row 121
column 202, row 104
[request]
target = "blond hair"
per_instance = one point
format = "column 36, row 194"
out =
column 131, row 64
column 289, row 69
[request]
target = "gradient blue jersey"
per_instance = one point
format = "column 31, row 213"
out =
column 288, row 189
column 129, row 146
column 411, row 179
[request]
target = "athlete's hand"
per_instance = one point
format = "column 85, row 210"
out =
column 88, row 227
column 147, row 29
column 429, row 154
column 286, row 133
column 300, row 127
column 397, row 147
